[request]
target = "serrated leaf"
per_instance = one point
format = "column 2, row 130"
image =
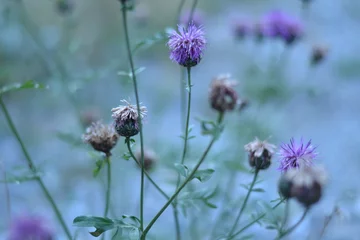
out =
column 100, row 224
column 203, row 175
column 20, row 86
column 181, row 169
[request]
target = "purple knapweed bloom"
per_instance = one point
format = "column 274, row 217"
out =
column 241, row 28
column 283, row 26
column 295, row 154
column 30, row 228
column 197, row 18
column 186, row 47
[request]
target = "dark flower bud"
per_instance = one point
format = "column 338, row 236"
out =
column 126, row 119
column 64, row 7
column 149, row 159
column 223, row 96
column 305, row 184
column 101, row 137
column 318, row 54
column 241, row 29
column 260, row 153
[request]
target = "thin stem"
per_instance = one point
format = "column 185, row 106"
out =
column 33, row 169
column 179, row 10
column 286, row 214
column 288, row 231
column 177, row 222
column 187, row 180
column 328, row 220
column 182, row 97
column 193, row 7
column 128, row 47
column 244, row 203
column 7, row 192
column 254, row 221
column 108, row 190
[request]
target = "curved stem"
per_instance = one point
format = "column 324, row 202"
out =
column 108, row 190
column 244, row 203
column 193, row 7
column 133, row 75
column 33, row 169
column 254, row 221
column 286, row 214
column 187, row 180
column 289, row 230
column 179, row 10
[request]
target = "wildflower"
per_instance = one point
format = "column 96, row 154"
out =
column 197, row 18
column 305, row 184
column 223, row 96
column 283, row 26
column 318, row 54
column 127, row 119
column 260, row 31
column 149, row 158
column 295, row 154
column 187, row 46
column 64, row 7
column 89, row 116
column 30, row 228
column 260, row 153
column 241, row 28
column 101, row 137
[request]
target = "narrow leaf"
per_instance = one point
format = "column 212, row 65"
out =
column 203, row 175
column 181, row 169
column 20, row 86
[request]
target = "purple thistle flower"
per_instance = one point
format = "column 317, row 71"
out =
column 30, row 228
column 241, row 28
column 295, row 154
column 283, row 26
column 186, row 47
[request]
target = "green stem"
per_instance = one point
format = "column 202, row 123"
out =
column 254, row 221
column 33, row 169
column 187, row 180
column 244, row 203
column 128, row 47
column 286, row 214
column 108, row 190
column 193, row 7
column 288, row 231
column 182, row 97
column 179, row 10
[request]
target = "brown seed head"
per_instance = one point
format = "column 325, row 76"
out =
column 260, row 153
column 150, row 158
column 223, row 96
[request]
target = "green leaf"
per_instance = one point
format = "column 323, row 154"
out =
column 134, row 234
column 99, row 165
column 20, row 86
column 181, row 169
column 203, row 175
column 211, row 128
column 237, row 166
column 69, row 138
column 126, row 156
column 134, row 219
column 210, row 205
column 129, row 74
column 22, row 178
column 152, row 40
column 258, row 190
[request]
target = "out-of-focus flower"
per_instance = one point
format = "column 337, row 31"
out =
column 64, row 7
column 260, row 153
column 30, row 228
column 126, row 119
column 318, row 54
column 305, row 184
column 223, row 96
column 197, row 18
column 142, row 14
column 149, row 158
column 101, row 137
column 187, row 46
column 241, row 28
column 296, row 154
column 89, row 116
column 259, row 30
column 283, row 26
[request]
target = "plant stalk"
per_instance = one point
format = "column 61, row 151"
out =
column 289, row 230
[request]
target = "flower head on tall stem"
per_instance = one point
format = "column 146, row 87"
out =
column 101, row 137
column 30, row 227
column 126, row 119
column 187, row 45
column 296, row 154
column 260, row 153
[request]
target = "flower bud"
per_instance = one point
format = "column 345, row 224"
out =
column 126, row 119
column 305, row 184
column 101, row 137
column 64, row 7
column 149, row 159
column 260, row 153
column 223, row 96
column 318, row 54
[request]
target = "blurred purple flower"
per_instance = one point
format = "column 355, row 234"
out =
column 241, row 28
column 186, row 47
column 197, row 19
column 295, row 154
column 279, row 24
column 30, row 228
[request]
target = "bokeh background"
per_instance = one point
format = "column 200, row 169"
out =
column 79, row 53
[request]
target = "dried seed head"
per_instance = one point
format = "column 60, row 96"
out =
column 260, row 153
column 89, row 116
column 223, row 96
column 101, row 137
column 318, row 54
column 149, row 158
column 305, row 184
column 126, row 119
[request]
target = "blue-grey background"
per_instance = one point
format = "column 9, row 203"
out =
column 287, row 99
